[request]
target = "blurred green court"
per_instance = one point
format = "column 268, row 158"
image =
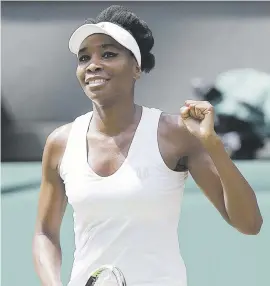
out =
column 215, row 254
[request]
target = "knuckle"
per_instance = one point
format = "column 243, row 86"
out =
column 211, row 108
column 209, row 104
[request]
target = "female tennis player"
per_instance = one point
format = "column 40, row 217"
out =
column 123, row 167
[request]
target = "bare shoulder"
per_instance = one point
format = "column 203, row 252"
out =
column 172, row 128
column 59, row 136
column 55, row 145
column 172, row 123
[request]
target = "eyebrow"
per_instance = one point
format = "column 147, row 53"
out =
column 103, row 46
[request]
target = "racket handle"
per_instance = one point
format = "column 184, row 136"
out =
column 90, row 281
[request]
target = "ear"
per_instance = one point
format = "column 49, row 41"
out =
column 137, row 72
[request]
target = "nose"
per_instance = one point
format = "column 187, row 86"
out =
column 94, row 65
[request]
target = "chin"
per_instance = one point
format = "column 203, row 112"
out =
column 100, row 98
column 96, row 93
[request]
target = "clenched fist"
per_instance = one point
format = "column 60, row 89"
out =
column 198, row 118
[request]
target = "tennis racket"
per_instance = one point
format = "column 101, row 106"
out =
column 100, row 275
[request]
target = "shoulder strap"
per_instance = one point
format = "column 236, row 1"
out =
column 76, row 144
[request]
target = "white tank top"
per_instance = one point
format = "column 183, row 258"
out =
column 129, row 219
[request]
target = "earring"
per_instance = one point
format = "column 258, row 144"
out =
column 138, row 75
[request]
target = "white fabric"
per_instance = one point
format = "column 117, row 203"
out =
column 130, row 218
column 118, row 33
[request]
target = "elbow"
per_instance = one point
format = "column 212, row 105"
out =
column 256, row 230
column 253, row 229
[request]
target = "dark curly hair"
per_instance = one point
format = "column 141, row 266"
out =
column 139, row 30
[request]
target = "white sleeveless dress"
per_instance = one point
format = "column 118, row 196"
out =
column 130, row 218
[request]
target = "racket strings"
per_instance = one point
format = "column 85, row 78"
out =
column 107, row 276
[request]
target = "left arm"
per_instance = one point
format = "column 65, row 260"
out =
column 224, row 185
column 215, row 173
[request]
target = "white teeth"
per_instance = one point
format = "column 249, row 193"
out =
column 97, row 81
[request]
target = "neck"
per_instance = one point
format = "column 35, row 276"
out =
column 114, row 119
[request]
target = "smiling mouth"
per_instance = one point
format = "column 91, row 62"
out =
column 96, row 82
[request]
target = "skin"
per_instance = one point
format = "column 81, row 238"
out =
column 115, row 119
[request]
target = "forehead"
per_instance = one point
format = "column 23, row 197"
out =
column 99, row 41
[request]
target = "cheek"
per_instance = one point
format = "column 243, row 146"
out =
column 125, row 71
column 80, row 75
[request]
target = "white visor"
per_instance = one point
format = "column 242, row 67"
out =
column 119, row 34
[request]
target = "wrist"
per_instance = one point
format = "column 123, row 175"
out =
column 211, row 141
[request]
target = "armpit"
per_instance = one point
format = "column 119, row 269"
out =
column 182, row 165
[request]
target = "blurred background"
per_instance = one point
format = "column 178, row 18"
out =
column 215, row 51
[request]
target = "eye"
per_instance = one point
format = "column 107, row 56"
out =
column 84, row 58
column 107, row 55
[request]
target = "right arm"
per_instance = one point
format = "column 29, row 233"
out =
column 51, row 208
